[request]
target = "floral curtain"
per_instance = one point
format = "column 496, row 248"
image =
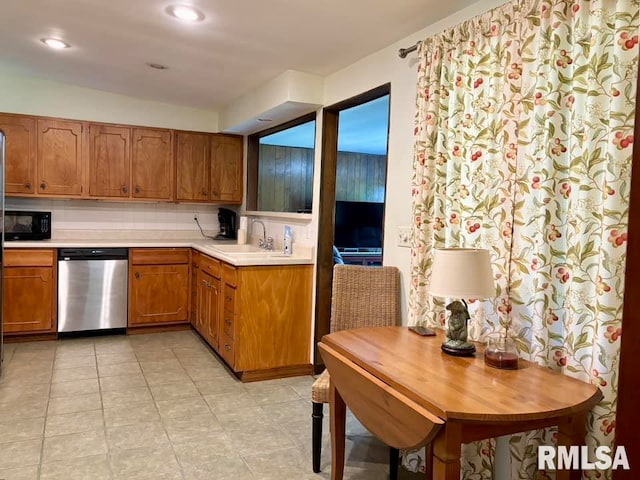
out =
column 524, row 133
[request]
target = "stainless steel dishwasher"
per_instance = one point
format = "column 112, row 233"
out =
column 92, row 289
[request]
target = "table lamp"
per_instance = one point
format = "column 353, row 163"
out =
column 460, row 273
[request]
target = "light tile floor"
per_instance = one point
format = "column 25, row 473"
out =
column 159, row 406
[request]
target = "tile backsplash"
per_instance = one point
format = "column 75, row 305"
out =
column 102, row 215
column 303, row 230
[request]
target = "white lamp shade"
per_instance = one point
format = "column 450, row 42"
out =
column 462, row 273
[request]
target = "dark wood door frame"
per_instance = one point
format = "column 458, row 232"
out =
column 326, row 210
column 628, row 413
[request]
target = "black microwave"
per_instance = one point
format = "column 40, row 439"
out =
column 23, row 225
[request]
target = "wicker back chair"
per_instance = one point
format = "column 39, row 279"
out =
column 361, row 297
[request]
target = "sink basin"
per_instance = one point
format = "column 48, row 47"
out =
column 239, row 249
column 248, row 250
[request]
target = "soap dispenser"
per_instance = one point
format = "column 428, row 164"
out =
column 288, row 234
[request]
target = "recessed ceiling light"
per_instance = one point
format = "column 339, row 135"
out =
column 55, row 43
column 157, row 66
column 185, row 13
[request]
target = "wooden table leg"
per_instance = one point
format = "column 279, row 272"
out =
column 338, row 416
column 447, row 449
column 571, row 431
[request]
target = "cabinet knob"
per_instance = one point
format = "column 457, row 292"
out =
column 27, row 185
column 229, row 298
column 227, row 321
column 137, row 189
column 125, row 189
column 214, row 193
column 137, row 274
column 43, row 185
column 203, row 193
column 227, row 347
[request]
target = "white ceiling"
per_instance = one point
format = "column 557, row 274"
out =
column 240, row 45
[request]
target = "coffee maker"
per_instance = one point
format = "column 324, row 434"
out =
column 227, row 221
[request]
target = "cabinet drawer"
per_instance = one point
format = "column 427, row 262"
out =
column 210, row 265
column 229, row 298
column 159, row 256
column 227, row 350
column 230, row 274
column 228, row 323
column 29, row 258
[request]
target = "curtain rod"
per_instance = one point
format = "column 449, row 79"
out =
column 403, row 52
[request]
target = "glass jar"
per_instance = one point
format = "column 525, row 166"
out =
column 501, row 352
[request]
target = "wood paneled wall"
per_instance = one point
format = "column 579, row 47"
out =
column 285, row 178
column 361, row 177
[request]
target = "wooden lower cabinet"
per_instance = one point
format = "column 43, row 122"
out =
column 159, row 286
column 208, row 299
column 208, row 313
column 262, row 315
column 29, row 292
column 195, row 268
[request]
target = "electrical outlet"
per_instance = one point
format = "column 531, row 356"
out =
column 404, row 237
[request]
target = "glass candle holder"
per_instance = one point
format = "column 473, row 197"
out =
column 501, row 352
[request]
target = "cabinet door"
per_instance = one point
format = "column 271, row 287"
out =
column 226, row 168
column 203, row 294
column 192, row 166
column 152, row 164
column 207, row 315
column 158, row 294
column 195, row 260
column 109, row 161
column 20, row 154
column 213, row 319
column 29, row 300
column 59, row 158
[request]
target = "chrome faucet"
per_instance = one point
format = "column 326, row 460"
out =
column 264, row 242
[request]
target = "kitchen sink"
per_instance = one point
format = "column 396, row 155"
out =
column 252, row 250
column 239, row 249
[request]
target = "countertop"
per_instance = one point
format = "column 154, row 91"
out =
column 302, row 255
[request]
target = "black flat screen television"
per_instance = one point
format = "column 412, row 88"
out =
column 358, row 224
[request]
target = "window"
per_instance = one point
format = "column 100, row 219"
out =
column 280, row 167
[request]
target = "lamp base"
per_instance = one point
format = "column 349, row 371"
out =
column 458, row 351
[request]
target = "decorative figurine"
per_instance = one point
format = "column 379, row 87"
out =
column 456, row 343
column 460, row 273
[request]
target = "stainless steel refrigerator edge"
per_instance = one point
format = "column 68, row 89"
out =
column 1, row 244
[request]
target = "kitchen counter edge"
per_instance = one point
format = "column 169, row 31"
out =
column 204, row 246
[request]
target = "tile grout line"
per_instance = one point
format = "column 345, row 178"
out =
column 46, row 412
column 104, row 420
column 164, row 427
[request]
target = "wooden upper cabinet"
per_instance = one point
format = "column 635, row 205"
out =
column 226, row 168
column 109, row 161
column 20, row 154
column 69, row 159
column 59, row 158
column 192, row 166
column 152, row 164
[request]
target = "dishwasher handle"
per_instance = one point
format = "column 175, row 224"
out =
column 74, row 254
